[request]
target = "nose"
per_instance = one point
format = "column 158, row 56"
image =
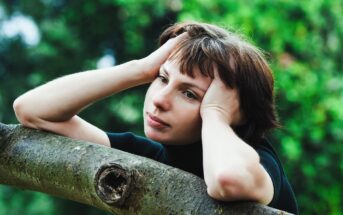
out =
column 162, row 99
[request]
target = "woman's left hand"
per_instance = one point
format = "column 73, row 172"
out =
column 221, row 101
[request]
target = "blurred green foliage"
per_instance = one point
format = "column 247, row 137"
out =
column 303, row 39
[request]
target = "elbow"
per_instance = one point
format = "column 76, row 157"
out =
column 21, row 113
column 18, row 109
column 236, row 183
column 225, row 186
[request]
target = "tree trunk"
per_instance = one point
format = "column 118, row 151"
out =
column 109, row 179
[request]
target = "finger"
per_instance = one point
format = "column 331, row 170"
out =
column 172, row 42
column 182, row 36
column 215, row 72
column 166, row 49
column 217, row 79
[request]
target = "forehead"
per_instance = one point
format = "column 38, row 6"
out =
column 172, row 68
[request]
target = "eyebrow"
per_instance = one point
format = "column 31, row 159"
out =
column 183, row 83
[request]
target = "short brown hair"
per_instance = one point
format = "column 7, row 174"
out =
column 240, row 65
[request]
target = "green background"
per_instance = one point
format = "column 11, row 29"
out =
column 303, row 39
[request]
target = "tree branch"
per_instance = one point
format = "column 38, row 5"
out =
column 109, row 179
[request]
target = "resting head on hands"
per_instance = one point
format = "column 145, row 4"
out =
column 206, row 70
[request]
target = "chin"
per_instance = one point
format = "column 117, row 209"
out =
column 153, row 136
column 158, row 138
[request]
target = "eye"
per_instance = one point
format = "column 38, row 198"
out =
column 190, row 94
column 162, row 79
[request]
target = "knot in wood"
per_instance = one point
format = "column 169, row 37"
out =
column 113, row 184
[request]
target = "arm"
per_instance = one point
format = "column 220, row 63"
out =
column 53, row 106
column 232, row 168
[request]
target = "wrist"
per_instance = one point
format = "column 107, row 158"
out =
column 147, row 70
column 141, row 71
column 212, row 114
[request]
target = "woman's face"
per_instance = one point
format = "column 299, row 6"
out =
column 172, row 106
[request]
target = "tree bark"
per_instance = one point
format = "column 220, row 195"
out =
column 109, row 179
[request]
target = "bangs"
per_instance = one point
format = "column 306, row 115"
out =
column 206, row 54
column 194, row 53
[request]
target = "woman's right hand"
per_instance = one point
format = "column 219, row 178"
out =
column 152, row 63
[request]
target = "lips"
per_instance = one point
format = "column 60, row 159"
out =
column 156, row 122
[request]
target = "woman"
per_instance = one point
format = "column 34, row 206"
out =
column 207, row 111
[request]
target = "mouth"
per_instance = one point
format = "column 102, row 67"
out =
column 156, row 122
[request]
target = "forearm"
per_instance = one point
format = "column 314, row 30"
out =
column 229, row 162
column 61, row 99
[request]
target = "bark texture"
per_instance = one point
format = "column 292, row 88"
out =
column 109, row 179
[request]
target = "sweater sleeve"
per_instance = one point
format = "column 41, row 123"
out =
column 284, row 197
column 272, row 167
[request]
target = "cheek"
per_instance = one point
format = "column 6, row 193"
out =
column 148, row 96
column 189, row 118
column 189, row 126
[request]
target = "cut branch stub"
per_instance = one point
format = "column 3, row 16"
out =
column 113, row 184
